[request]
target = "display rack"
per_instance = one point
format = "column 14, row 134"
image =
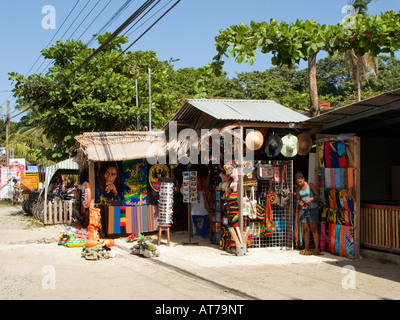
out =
column 282, row 238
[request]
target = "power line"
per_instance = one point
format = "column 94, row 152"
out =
column 84, row 19
column 149, row 28
column 134, row 16
column 112, row 19
column 53, row 37
column 101, row 72
column 111, row 37
column 115, row 16
column 95, row 19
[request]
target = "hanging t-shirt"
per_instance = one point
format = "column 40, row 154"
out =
column 199, row 208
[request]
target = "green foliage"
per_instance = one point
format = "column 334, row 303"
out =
column 101, row 96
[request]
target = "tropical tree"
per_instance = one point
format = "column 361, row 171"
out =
column 288, row 44
column 100, row 96
column 305, row 39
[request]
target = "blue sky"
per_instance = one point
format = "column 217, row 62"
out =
column 186, row 33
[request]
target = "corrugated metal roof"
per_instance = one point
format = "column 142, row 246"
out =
column 241, row 110
column 360, row 115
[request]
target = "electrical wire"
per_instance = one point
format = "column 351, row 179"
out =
column 149, row 28
column 109, row 39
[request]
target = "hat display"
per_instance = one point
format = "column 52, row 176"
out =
column 254, row 140
column 305, row 143
column 273, row 145
column 290, row 145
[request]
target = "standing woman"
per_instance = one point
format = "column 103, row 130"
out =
column 307, row 198
column 16, row 192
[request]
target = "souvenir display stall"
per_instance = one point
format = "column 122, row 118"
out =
column 338, row 182
column 122, row 193
column 234, row 184
column 123, row 182
column 267, row 203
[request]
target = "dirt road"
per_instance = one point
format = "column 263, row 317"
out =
column 33, row 266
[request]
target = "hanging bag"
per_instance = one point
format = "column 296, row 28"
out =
column 273, row 195
column 265, row 171
column 285, row 193
column 269, row 220
column 253, row 205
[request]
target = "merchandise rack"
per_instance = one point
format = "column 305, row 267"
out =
column 281, row 239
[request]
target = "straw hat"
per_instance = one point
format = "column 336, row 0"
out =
column 273, row 145
column 290, row 145
column 305, row 143
column 254, row 140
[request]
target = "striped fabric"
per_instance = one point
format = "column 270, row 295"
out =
column 129, row 220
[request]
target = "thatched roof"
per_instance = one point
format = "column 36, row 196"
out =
column 118, row 146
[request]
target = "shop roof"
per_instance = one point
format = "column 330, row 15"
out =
column 237, row 110
column 118, row 146
column 68, row 166
column 379, row 115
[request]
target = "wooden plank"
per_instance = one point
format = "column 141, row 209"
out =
column 396, row 230
column 357, row 203
column 49, row 212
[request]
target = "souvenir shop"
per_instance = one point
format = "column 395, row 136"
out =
column 124, row 184
column 243, row 197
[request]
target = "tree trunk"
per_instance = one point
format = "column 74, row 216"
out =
column 358, row 58
column 312, row 78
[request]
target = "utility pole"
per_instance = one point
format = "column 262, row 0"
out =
column 149, row 99
column 137, row 106
column 7, row 134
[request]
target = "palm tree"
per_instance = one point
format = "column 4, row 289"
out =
column 360, row 66
column 27, row 143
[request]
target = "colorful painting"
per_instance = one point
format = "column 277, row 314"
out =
column 134, row 180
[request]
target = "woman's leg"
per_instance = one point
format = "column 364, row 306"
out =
column 315, row 232
column 306, row 228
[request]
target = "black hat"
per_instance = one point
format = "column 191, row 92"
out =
column 273, row 145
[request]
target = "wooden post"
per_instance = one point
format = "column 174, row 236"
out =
column 92, row 182
column 240, row 182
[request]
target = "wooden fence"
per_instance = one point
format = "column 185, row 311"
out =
column 380, row 227
column 59, row 212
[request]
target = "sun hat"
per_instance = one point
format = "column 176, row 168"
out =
column 254, row 140
column 305, row 143
column 273, row 145
column 290, row 145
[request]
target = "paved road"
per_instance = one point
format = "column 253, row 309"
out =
column 33, row 266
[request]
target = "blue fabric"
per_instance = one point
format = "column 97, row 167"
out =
column 117, row 220
column 200, row 225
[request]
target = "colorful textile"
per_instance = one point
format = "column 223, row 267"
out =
column 348, row 234
column 321, row 155
column 337, row 239
column 134, row 179
column 340, row 239
column 322, row 237
column 331, row 237
column 327, row 155
column 335, row 178
column 200, row 225
column 129, row 220
column 334, row 155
